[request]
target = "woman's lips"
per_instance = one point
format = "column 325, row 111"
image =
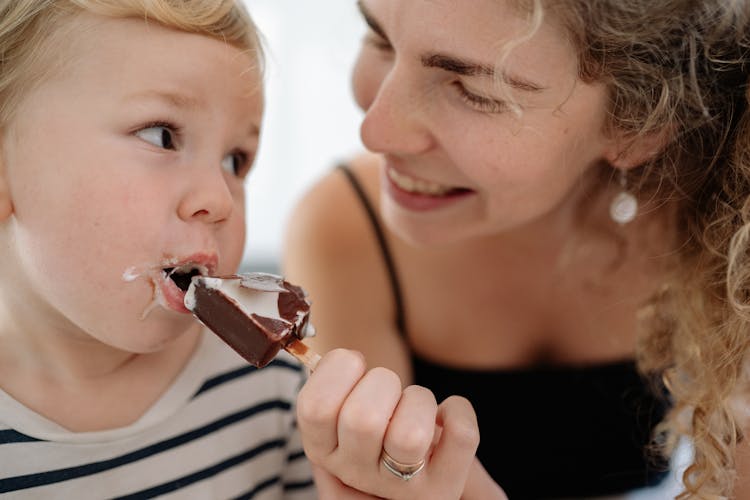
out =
column 420, row 195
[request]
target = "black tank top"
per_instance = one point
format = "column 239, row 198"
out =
column 548, row 431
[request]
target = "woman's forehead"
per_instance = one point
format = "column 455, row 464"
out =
column 490, row 33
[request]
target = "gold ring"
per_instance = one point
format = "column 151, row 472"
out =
column 399, row 469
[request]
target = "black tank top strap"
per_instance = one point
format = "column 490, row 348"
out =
column 383, row 244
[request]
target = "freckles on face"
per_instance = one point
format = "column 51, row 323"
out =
column 435, row 111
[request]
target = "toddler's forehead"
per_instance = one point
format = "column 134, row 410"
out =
column 40, row 43
column 70, row 39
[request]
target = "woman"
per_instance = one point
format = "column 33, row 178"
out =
column 525, row 202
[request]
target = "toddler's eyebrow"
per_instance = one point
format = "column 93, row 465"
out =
column 175, row 99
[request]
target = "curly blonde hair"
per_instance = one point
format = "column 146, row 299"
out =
column 700, row 341
column 696, row 335
column 680, row 68
column 30, row 31
column 699, row 337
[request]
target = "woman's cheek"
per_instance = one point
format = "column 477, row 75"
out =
column 367, row 76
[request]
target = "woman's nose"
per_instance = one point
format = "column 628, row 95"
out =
column 396, row 119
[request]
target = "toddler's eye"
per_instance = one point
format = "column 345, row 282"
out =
column 235, row 163
column 161, row 136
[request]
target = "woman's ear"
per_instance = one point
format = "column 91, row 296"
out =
column 628, row 151
column 6, row 203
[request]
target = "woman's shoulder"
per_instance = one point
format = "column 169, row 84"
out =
column 331, row 216
column 338, row 187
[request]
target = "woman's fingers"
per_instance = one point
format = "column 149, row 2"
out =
column 366, row 415
column 412, row 427
column 481, row 486
column 369, row 435
column 322, row 397
column 330, row 488
column 454, row 451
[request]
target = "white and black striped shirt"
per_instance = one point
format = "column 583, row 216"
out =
column 223, row 430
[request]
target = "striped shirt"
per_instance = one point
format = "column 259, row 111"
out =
column 223, row 430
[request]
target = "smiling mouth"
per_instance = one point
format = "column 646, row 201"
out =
column 422, row 187
column 183, row 275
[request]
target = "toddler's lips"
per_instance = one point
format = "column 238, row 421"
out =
column 170, row 279
column 183, row 275
column 173, row 282
column 173, row 297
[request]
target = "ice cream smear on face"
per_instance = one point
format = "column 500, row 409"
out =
column 130, row 274
column 168, row 282
column 133, row 273
column 257, row 314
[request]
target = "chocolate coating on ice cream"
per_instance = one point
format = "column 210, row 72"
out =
column 257, row 314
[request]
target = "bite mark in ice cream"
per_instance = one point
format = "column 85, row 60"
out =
column 257, row 314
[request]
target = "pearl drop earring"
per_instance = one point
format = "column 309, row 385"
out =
column 624, row 206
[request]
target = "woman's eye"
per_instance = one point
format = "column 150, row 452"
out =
column 161, row 136
column 480, row 103
column 377, row 42
column 235, row 163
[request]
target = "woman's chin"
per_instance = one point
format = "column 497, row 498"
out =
column 426, row 229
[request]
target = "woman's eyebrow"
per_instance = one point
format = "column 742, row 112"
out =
column 370, row 20
column 454, row 64
column 469, row 68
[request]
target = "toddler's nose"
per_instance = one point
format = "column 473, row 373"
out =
column 208, row 198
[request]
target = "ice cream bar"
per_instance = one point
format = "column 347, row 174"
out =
column 257, row 314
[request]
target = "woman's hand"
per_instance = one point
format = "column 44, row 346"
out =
column 348, row 416
column 481, row 486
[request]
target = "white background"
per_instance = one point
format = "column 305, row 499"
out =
column 311, row 120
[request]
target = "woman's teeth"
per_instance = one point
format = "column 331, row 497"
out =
column 418, row 186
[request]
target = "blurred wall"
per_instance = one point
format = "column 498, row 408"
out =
column 311, row 120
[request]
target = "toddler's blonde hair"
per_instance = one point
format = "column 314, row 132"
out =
column 31, row 29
